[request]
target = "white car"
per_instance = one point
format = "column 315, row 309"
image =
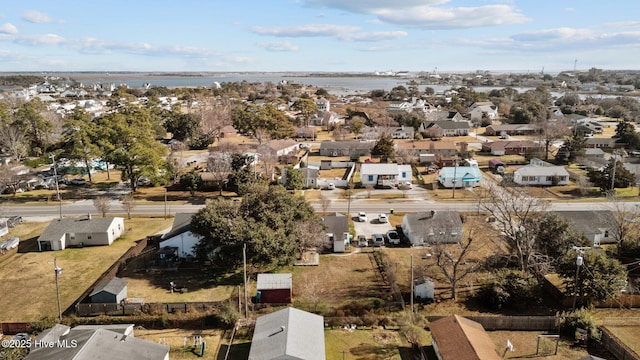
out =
column 331, row 186
column 362, row 216
column 382, row 218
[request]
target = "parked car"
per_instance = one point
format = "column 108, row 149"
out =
column 382, row 218
column 378, row 240
column 393, row 237
column 14, row 220
column 405, row 185
column 20, row 337
column 144, row 181
column 362, row 241
column 362, row 216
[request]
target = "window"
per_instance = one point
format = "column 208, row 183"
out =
column 404, row 174
column 606, row 233
column 88, row 237
column 370, row 178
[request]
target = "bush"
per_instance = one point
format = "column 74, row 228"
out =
column 507, row 288
column 571, row 321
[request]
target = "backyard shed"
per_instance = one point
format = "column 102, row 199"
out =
column 274, row 288
column 111, row 291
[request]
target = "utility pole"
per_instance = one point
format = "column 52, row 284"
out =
column 55, row 175
column 165, row 202
column 411, row 284
column 455, row 170
column 57, row 272
column 613, row 175
column 579, row 261
column 244, row 260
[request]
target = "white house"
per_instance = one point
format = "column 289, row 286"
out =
column 480, row 109
column 337, row 230
column 180, row 236
column 323, row 104
column 62, row 233
column 384, row 175
column 460, row 176
column 432, row 227
column 539, row 172
column 596, row 225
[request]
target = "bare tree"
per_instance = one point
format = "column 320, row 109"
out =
column 369, row 189
column 311, row 235
column 339, row 132
column 11, row 177
column 584, row 185
column 102, row 204
column 215, row 114
column 324, row 203
column 269, row 161
column 626, row 222
column 13, row 139
column 128, row 203
column 219, row 166
column 549, row 132
column 515, row 214
column 313, row 289
column 451, row 260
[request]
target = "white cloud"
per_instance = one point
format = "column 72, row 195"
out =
column 278, row 46
column 8, row 29
column 429, row 17
column 373, row 36
column 623, row 24
column 310, row 30
column 563, row 33
column 37, row 17
column 36, row 40
column 429, row 14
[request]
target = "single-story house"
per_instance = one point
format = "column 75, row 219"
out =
column 594, row 153
column 62, row 233
column 457, row 338
column 353, row 149
column 460, row 176
column 510, row 129
column 384, row 175
column 278, row 147
column 510, row 147
column 537, row 174
column 441, row 115
column 88, row 342
column 112, row 291
column 290, row 334
column 228, row 131
column 274, row 288
column 399, row 132
column 434, row 150
column 596, row 225
column 180, row 236
column 601, row 143
column 432, row 227
column 337, row 229
column 436, row 129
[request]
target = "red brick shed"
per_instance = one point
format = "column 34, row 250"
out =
column 274, row 288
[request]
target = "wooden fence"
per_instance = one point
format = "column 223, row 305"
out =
column 112, row 309
column 616, row 347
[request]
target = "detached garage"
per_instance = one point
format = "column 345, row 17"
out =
column 110, row 291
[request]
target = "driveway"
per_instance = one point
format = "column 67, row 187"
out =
column 372, row 226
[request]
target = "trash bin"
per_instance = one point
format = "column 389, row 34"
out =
column 391, row 211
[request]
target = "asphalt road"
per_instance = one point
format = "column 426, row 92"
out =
column 372, row 206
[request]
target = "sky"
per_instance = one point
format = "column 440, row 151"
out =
column 319, row 35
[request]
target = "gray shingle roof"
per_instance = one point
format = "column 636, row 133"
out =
column 59, row 227
column 336, row 225
column 112, row 286
column 100, row 344
column 588, row 221
column 274, row 281
column 181, row 224
column 288, row 334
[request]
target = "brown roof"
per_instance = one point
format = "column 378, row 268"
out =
column 426, row 145
column 458, row 338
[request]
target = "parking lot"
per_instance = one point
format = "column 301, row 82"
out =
column 370, row 227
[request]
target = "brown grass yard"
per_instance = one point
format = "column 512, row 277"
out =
column 155, row 288
column 175, row 338
column 525, row 343
column 28, row 285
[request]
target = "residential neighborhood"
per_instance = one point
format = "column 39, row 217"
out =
column 271, row 221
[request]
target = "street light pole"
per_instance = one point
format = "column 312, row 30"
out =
column 575, row 291
column 57, row 272
column 55, row 175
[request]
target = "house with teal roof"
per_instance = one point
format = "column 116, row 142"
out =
column 467, row 176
